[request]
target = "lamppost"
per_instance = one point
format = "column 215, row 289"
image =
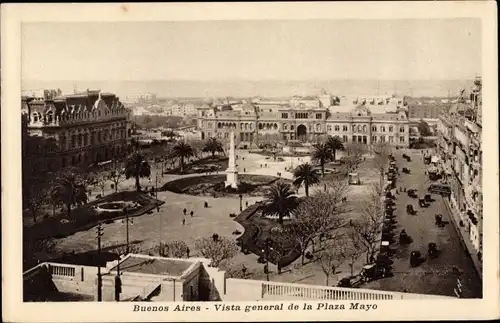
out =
column 125, row 210
column 241, row 202
column 99, row 276
column 266, row 254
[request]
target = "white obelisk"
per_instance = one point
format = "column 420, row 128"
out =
column 231, row 171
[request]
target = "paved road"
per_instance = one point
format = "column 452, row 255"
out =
column 434, row 276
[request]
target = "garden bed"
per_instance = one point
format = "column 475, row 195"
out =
column 257, row 230
column 221, row 162
column 208, row 185
column 84, row 217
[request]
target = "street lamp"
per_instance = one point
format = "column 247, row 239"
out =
column 127, row 219
column 99, row 276
column 241, row 202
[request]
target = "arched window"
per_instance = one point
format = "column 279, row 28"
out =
column 401, row 129
column 359, row 128
column 382, row 128
column 260, row 126
column 329, row 128
column 50, row 117
column 318, row 127
column 374, row 128
column 292, row 127
column 364, row 128
column 353, row 128
column 35, row 117
column 275, row 126
column 337, row 127
column 391, row 128
column 251, row 126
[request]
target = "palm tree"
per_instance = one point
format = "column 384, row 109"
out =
column 213, row 146
column 307, row 175
column 321, row 155
column 280, row 200
column 137, row 166
column 69, row 189
column 182, row 150
column 334, row 143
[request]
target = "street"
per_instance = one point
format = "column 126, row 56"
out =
column 433, row 276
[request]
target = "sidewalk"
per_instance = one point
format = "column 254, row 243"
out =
column 464, row 238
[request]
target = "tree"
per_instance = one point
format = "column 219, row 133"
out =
column 424, row 129
column 334, row 143
column 354, row 153
column 354, row 248
column 381, row 160
column 321, row 155
column 182, row 150
column 101, row 180
column 331, row 257
column 307, row 175
column 369, row 224
column 235, row 270
column 35, row 197
column 70, row 189
column 280, row 200
column 213, row 146
column 216, row 250
column 175, row 249
column 137, row 166
column 116, row 177
column 301, row 230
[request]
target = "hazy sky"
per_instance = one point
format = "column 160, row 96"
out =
column 254, row 50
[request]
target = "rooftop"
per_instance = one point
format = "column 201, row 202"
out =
column 154, row 266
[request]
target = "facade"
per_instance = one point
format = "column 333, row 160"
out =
column 86, row 128
column 158, row 279
column 307, row 120
column 459, row 146
column 425, row 110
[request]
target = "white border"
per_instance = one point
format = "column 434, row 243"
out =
column 13, row 14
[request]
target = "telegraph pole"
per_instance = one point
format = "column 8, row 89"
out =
column 99, row 276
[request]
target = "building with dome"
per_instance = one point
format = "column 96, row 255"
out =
column 87, row 128
column 307, row 119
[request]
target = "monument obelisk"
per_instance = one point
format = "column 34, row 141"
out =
column 231, row 171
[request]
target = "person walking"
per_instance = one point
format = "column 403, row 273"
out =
column 187, row 252
column 183, row 221
column 184, row 211
column 191, row 213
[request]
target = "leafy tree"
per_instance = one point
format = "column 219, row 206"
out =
column 36, row 196
column 116, row 177
column 381, row 160
column 101, row 181
column 307, row 175
column 70, row 189
column 424, row 128
column 183, row 150
column 334, row 143
column 137, row 166
column 321, row 155
column 280, row 200
column 216, row 250
column 175, row 249
column 213, row 146
column 354, row 248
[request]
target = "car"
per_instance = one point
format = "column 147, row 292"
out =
column 439, row 189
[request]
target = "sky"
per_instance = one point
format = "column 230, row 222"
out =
column 253, row 50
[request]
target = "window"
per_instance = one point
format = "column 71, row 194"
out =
column 359, row 128
column 284, row 115
column 226, row 135
column 285, row 126
column 35, row 117
column 329, row 128
column 391, row 139
column 260, row 126
column 251, row 126
column 345, row 128
column 401, row 139
column 391, row 128
column 374, row 139
column 401, row 129
column 374, row 128
column 337, row 128
column 382, row 128
column 364, row 128
column 319, row 116
column 344, row 138
column 382, row 138
column 318, row 127
column 292, row 127
column 353, row 128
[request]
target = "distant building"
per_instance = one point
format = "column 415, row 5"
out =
column 142, row 98
column 305, row 119
column 88, row 127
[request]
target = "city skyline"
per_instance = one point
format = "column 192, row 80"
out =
column 425, row 49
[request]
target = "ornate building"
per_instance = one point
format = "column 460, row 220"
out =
column 459, row 146
column 259, row 121
column 83, row 128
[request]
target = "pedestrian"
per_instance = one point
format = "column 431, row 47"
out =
column 187, row 252
column 244, row 170
column 206, row 205
column 184, row 211
column 183, row 221
column 191, row 213
column 246, row 204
